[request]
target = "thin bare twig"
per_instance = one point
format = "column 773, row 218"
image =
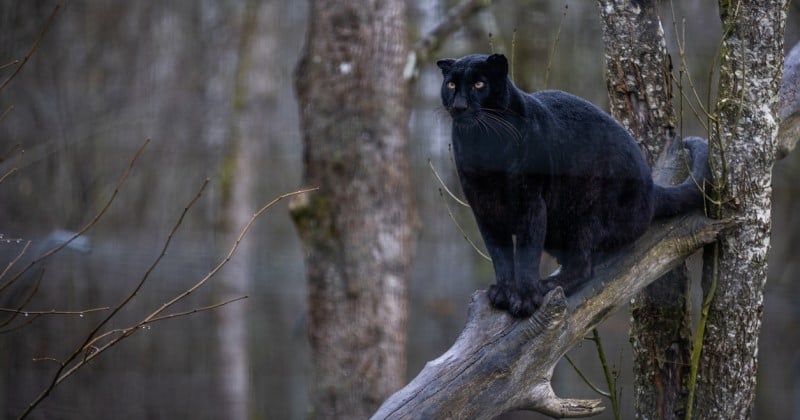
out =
column 9, row 154
column 93, row 346
column 6, row 112
column 27, row 321
column 9, row 64
column 196, row 310
column 15, row 260
column 31, row 316
column 232, row 251
column 586, row 380
column 92, row 338
column 431, row 41
column 24, row 302
column 555, row 45
column 80, row 313
column 461, row 229
column 444, row 186
column 35, row 46
column 88, row 225
column 89, row 349
column 611, row 379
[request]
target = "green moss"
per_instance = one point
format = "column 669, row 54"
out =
column 312, row 215
column 226, row 176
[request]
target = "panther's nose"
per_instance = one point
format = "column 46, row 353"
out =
column 459, row 104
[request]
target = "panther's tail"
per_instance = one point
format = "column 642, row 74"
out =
column 688, row 195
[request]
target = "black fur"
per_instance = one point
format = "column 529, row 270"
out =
column 549, row 171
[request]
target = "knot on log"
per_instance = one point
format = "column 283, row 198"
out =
column 546, row 402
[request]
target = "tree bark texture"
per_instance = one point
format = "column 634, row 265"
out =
column 639, row 71
column 743, row 149
column 357, row 229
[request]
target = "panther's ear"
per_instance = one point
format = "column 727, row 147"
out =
column 445, row 64
column 498, row 64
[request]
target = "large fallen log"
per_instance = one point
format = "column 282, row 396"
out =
column 500, row 363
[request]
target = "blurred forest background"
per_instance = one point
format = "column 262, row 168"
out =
column 202, row 78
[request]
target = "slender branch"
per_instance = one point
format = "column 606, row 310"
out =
column 35, row 46
column 80, row 313
column 196, row 310
column 610, row 380
column 127, row 331
column 232, row 251
column 16, row 147
column 27, row 321
column 89, row 349
column 31, row 316
column 9, row 64
column 586, row 380
column 461, row 229
column 88, row 225
column 5, row 114
column 441, row 182
column 24, row 302
column 554, row 48
column 15, row 260
column 432, row 41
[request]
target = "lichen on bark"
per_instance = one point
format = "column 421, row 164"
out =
column 742, row 154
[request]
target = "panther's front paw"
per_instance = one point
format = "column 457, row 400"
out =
column 498, row 295
column 523, row 302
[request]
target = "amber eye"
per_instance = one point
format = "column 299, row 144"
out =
column 479, row 85
column 451, row 85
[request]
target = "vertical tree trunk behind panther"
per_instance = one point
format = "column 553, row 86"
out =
column 357, row 229
column 638, row 70
column 743, row 150
column 743, row 126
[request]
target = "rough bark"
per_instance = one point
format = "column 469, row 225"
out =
column 640, row 90
column 743, row 149
column 638, row 72
column 499, row 363
column 357, row 230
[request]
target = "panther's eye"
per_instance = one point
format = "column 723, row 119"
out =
column 451, row 85
column 479, row 85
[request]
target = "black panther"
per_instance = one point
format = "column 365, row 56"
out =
column 550, row 171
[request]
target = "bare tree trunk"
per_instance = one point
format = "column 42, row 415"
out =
column 742, row 154
column 236, row 185
column 638, row 72
column 357, row 230
column 640, row 88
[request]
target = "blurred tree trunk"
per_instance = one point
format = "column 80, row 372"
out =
column 236, row 190
column 357, row 229
column 639, row 70
column 743, row 149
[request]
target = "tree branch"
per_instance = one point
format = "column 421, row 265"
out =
column 21, row 64
column 499, row 363
column 431, row 41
